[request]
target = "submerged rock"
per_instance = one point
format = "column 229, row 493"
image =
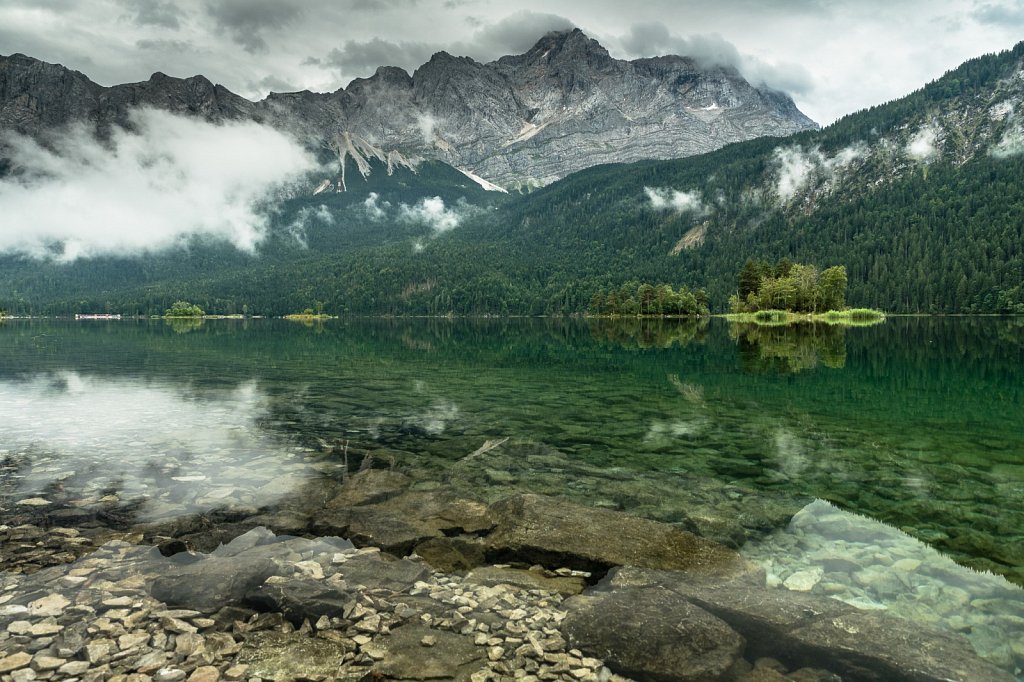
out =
column 553, row 532
column 280, row 656
column 652, row 634
column 448, row 656
column 805, row 630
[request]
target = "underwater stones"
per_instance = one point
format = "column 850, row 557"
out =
column 212, row 582
column 651, row 633
column 287, row 656
column 554, row 532
column 371, row 486
column 803, row 581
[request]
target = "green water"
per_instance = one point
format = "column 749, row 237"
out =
column 917, row 422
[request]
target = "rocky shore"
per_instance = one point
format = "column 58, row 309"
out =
column 428, row 585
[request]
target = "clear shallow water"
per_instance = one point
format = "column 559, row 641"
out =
column 914, row 426
column 917, row 423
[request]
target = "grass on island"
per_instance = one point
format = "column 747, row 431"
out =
column 306, row 317
column 851, row 317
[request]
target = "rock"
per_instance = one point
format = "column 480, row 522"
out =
column 804, row 581
column 278, row 656
column 45, row 628
column 73, row 668
column 374, row 571
column 298, row 599
column 23, row 675
column 452, row 657
column 651, row 633
column 34, row 502
column 212, row 582
column 369, row 487
column 51, row 605
column 527, row 580
column 132, row 639
column 169, row 675
column 43, row 662
column 451, row 555
column 804, row 630
column 204, row 673
column 14, row 662
column 557, row 533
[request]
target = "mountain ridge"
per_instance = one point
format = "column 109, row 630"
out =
column 518, row 121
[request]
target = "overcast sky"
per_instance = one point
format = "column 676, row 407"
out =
column 833, row 56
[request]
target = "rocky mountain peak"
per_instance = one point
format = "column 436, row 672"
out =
column 521, row 121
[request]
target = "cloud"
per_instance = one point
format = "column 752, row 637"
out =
column 246, row 20
column 375, row 208
column 427, row 124
column 999, row 14
column 164, row 45
column 306, row 216
column 798, row 168
column 512, row 35
column 170, row 178
column 161, row 13
column 653, row 38
column 923, row 146
column 664, row 199
column 1012, row 141
column 433, row 213
column 363, row 57
column 515, row 33
column 271, row 83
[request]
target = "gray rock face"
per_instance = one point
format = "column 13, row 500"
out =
column 528, row 119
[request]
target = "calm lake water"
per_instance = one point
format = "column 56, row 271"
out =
column 916, row 424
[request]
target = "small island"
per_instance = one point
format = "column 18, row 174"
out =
column 180, row 309
column 789, row 292
column 308, row 315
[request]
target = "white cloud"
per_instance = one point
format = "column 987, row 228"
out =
column 664, row 199
column 798, row 168
column 148, row 189
column 297, row 228
column 375, row 208
column 433, row 213
column 1012, row 141
column 923, row 146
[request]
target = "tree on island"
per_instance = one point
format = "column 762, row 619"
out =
column 643, row 299
column 184, row 309
column 789, row 286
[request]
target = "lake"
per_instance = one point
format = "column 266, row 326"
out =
column 820, row 452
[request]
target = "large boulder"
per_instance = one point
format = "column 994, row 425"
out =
column 555, row 533
column 804, row 630
column 448, row 657
column 652, row 634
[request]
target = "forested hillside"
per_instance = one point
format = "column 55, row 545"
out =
column 922, row 201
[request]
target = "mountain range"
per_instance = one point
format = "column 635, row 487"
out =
column 922, row 199
column 521, row 121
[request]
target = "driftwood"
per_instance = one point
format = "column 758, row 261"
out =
column 486, row 447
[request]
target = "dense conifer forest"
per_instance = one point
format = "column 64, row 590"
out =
column 939, row 233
